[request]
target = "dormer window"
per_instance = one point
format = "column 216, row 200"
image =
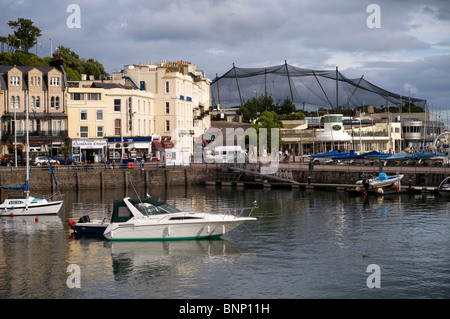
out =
column 54, row 81
column 15, row 80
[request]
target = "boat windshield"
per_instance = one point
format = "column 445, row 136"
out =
column 149, row 209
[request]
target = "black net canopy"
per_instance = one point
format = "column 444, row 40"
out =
column 306, row 88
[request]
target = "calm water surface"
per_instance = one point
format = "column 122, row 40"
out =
column 305, row 245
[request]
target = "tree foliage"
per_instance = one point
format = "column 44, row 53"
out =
column 24, row 37
column 74, row 66
column 268, row 120
column 255, row 106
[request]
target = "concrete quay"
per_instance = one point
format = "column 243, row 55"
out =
column 330, row 177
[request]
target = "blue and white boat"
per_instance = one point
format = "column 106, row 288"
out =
column 382, row 180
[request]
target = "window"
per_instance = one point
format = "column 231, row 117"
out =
column 167, row 125
column 14, row 80
column 99, row 115
column 117, row 127
column 54, row 82
column 52, row 102
column 56, row 127
column 77, row 96
column 38, row 102
column 57, row 102
column 83, row 115
column 167, row 87
column 100, row 131
column 13, row 102
column 117, row 105
column 17, row 102
column 167, row 107
column 94, row 96
column 84, row 131
column 38, row 81
column 33, row 102
column 31, row 81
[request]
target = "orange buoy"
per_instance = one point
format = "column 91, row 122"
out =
column 36, row 219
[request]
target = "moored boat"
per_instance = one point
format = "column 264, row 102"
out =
column 87, row 226
column 382, row 180
column 148, row 219
column 444, row 187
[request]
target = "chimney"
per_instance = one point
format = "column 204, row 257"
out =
column 57, row 62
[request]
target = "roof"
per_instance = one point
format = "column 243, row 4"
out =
column 4, row 69
column 106, row 85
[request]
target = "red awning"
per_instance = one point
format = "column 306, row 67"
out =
column 157, row 145
column 167, row 144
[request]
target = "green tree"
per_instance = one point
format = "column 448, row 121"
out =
column 286, row 107
column 269, row 120
column 25, row 34
column 255, row 106
column 75, row 66
column 65, row 150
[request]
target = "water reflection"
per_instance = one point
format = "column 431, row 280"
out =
column 304, row 245
column 132, row 257
column 30, row 224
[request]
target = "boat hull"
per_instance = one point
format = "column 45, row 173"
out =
column 90, row 228
column 37, row 208
column 444, row 192
column 377, row 183
column 171, row 231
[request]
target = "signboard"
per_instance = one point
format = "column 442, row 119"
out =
column 89, row 144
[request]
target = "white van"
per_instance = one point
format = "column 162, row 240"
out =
column 226, row 154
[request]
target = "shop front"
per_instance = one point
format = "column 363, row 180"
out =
column 129, row 148
column 90, row 150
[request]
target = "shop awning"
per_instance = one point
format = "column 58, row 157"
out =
column 167, row 144
column 157, row 145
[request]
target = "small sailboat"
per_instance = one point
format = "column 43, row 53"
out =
column 27, row 205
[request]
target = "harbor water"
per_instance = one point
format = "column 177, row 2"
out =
column 305, row 244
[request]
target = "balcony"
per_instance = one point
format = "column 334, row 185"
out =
column 46, row 133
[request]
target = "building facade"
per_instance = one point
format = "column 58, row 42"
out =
column 181, row 99
column 42, row 89
column 86, row 109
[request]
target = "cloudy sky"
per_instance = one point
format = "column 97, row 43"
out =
column 407, row 48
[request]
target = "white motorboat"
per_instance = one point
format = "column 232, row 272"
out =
column 148, row 219
column 382, row 180
column 444, row 187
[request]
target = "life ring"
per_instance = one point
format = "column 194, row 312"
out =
column 130, row 165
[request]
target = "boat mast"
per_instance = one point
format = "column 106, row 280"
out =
column 27, row 148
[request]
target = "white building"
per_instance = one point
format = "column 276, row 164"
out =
column 181, row 99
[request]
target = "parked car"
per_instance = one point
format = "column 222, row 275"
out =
column 43, row 160
column 322, row 160
column 62, row 160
